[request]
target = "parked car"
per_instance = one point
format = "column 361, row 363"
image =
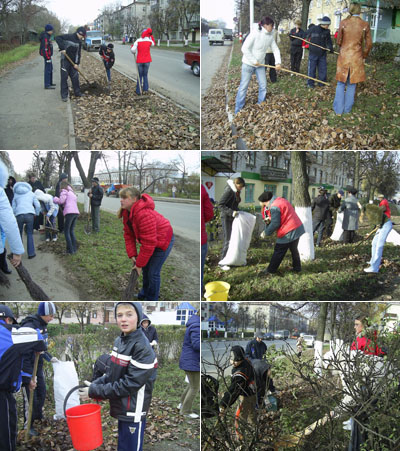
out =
column 192, row 59
column 228, row 34
column 309, row 340
column 216, row 36
column 93, row 41
column 268, row 336
column 281, row 335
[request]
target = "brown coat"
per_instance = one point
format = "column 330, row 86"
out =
column 353, row 34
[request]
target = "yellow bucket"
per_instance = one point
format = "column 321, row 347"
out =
column 217, row 291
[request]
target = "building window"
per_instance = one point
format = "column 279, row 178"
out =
column 285, row 191
column 270, row 188
column 251, row 159
column 94, row 314
column 181, row 316
column 249, row 193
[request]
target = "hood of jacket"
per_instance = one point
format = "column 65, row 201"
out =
column 144, row 202
column 232, row 186
column 22, row 188
column 3, row 175
column 147, row 33
column 145, row 318
column 192, row 320
column 42, row 196
column 136, row 305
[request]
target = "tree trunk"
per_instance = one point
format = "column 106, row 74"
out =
column 357, row 171
column 319, row 342
column 302, row 203
column 304, row 13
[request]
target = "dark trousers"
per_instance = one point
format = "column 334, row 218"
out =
column 227, row 231
column 130, row 435
column 60, row 219
column 96, row 218
column 280, row 252
column 8, row 423
column 348, row 236
column 39, row 396
column 319, row 225
column 68, row 70
column 69, row 232
column 48, row 73
column 270, row 60
column 314, row 62
column 295, row 58
column 329, row 224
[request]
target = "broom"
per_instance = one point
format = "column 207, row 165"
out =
column 35, row 292
column 128, row 294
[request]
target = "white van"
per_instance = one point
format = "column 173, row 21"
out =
column 216, row 36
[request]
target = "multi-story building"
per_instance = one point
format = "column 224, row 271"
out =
column 270, row 171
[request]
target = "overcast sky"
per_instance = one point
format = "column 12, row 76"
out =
column 22, row 159
column 79, row 12
column 218, row 9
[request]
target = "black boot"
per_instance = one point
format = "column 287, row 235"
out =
column 3, row 262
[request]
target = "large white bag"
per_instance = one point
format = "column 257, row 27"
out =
column 65, row 378
column 242, row 230
column 393, row 238
column 337, row 234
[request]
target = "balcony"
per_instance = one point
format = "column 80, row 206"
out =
column 269, row 173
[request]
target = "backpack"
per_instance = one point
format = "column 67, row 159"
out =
column 209, row 396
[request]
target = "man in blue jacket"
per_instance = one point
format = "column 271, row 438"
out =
column 46, row 50
column 190, row 363
column 14, row 344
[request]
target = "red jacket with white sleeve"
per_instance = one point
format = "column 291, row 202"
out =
column 141, row 47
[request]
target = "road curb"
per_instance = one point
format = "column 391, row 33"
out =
column 71, row 127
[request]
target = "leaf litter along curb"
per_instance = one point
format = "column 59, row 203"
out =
column 116, row 120
column 301, row 119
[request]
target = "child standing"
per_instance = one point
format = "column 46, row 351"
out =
column 129, row 382
column 149, row 330
column 69, row 201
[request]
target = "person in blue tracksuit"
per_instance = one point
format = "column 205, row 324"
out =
column 149, row 330
column 14, row 344
column 45, row 314
column 8, row 227
column 46, row 50
column 190, row 363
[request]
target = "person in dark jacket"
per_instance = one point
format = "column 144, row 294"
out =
column 60, row 215
column 229, row 206
column 281, row 217
column 108, row 57
column 321, row 36
column 334, row 204
column 320, row 209
column 101, row 366
column 296, row 46
column 9, row 189
column 243, row 386
column 46, row 50
column 96, row 196
column 129, row 382
column 45, row 314
column 351, row 208
column 190, row 363
column 256, row 348
column 14, row 344
column 71, row 45
column 149, row 330
column 262, row 370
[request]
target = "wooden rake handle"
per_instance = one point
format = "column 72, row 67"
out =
column 31, row 396
column 297, row 73
column 70, row 60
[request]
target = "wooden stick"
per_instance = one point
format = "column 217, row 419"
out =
column 31, row 395
column 70, row 60
column 297, row 73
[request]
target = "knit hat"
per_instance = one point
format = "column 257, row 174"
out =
column 258, row 334
column 95, row 179
column 237, row 353
column 324, row 21
column 110, row 46
column 46, row 308
column 81, row 30
column 63, row 176
column 6, row 312
column 341, row 192
column 48, row 27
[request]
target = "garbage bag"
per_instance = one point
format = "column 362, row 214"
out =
column 393, row 237
column 242, row 230
column 65, row 378
column 337, row 234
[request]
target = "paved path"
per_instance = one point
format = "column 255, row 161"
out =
column 30, row 116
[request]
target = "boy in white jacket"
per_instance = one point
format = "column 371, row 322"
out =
column 254, row 49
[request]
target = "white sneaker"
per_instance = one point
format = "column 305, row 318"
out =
column 47, row 240
column 193, row 416
column 225, row 268
column 179, row 406
column 55, row 239
column 370, row 270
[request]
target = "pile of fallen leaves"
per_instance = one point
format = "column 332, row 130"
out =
column 120, row 119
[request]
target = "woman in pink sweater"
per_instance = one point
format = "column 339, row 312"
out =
column 69, row 202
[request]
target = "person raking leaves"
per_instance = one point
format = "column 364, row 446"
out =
column 108, row 57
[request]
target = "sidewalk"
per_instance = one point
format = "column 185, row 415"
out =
column 30, row 116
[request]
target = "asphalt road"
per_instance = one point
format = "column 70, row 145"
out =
column 168, row 75
column 211, row 59
column 218, row 351
column 184, row 218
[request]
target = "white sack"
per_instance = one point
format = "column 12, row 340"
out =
column 65, row 378
column 337, row 234
column 242, row 230
column 393, row 238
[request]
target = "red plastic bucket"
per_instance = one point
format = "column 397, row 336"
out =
column 84, row 423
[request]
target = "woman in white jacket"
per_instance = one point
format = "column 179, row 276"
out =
column 254, row 49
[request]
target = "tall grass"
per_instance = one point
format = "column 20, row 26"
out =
column 17, row 53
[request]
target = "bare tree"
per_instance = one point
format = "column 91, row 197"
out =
column 180, row 165
column 188, row 10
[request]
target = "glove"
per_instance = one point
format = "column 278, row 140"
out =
column 331, row 51
column 84, row 394
column 54, row 360
column 263, row 235
column 153, row 343
column 235, row 213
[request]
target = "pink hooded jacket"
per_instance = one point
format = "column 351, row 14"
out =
column 68, row 200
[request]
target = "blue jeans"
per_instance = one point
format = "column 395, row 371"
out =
column 143, row 71
column 108, row 71
column 204, row 248
column 344, row 98
column 247, row 72
column 377, row 245
column 130, row 435
column 69, row 232
column 52, row 220
column 314, row 62
column 152, row 273
column 48, row 73
column 27, row 218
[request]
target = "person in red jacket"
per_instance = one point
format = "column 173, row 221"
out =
column 141, row 49
column 362, row 343
column 280, row 216
column 152, row 231
column 207, row 213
